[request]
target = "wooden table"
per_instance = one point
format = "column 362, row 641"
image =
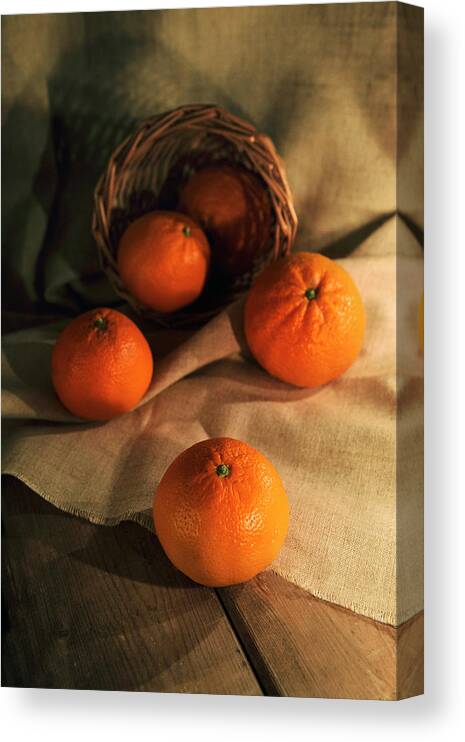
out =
column 96, row 607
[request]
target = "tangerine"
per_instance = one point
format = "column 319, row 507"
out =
column 221, row 512
column 305, row 319
column 101, row 365
column 233, row 208
column 163, row 260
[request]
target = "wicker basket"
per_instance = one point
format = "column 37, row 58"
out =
column 144, row 173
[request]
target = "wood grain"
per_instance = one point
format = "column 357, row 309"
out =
column 95, row 607
column 102, row 608
column 302, row 646
column 410, row 657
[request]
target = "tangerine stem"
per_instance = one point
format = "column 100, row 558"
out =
column 186, row 231
column 310, row 294
column 101, row 323
column 223, row 470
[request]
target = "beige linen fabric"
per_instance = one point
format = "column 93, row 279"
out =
column 355, row 495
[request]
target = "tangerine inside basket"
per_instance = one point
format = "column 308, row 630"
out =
column 146, row 172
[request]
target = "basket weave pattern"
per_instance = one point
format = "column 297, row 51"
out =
column 144, row 173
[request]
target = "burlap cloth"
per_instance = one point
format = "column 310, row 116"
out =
column 335, row 446
column 338, row 87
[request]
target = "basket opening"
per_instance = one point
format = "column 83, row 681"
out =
column 147, row 172
column 156, row 185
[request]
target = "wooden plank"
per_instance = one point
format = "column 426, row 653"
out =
column 410, row 657
column 302, row 646
column 93, row 607
column 102, row 608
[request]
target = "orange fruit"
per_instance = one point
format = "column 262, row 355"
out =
column 101, row 365
column 233, row 208
column 305, row 319
column 163, row 260
column 220, row 512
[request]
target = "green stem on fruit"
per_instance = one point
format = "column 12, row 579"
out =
column 310, row 294
column 223, row 470
column 101, row 323
column 186, row 231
